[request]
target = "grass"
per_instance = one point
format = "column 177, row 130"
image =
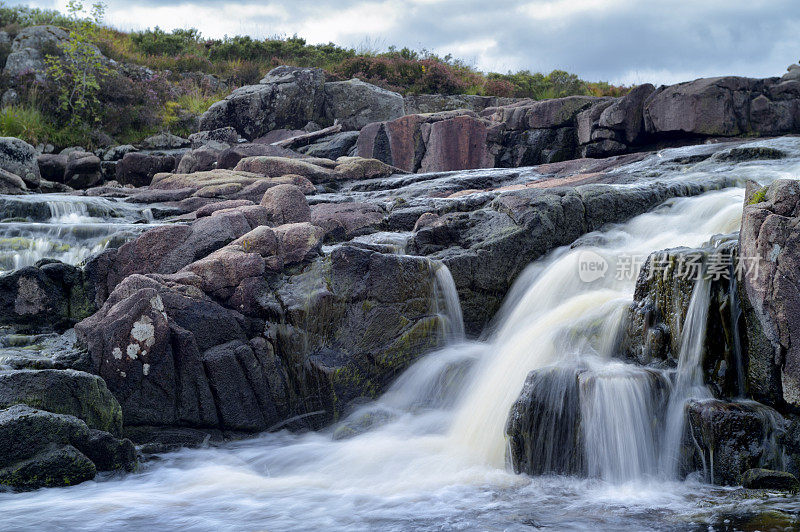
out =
column 29, row 124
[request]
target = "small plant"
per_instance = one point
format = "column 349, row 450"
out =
column 758, row 197
column 77, row 71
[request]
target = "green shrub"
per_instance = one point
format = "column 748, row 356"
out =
column 159, row 42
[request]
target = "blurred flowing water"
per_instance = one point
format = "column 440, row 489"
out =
column 65, row 228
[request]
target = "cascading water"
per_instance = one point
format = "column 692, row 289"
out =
column 688, row 376
column 448, row 306
column 65, row 228
column 435, row 460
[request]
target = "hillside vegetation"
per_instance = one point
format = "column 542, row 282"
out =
column 164, row 80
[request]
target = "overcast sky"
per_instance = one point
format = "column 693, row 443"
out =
column 622, row 41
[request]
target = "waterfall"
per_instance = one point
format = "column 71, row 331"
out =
column 688, row 378
column 620, row 409
column 448, row 307
column 559, row 319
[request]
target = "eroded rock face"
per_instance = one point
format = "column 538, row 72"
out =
column 723, row 106
column 655, row 321
column 444, row 141
column 771, row 301
column 175, row 352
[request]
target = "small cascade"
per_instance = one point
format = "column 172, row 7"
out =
column 622, row 411
column 447, row 305
column 688, row 377
column 65, row 228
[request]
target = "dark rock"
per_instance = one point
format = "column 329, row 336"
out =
column 201, row 159
column 767, row 479
column 543, row 426
column 50, row 297
column 82, row 170
column 138, row 169
column 224, row 135
column 707, row 107
column 118, row 152
column 626, row 114
column 54, row 467
column 11, row 183
column 165, row 141
column 332, row 147
column 230, row 157
column 52, row 167
column 43, row 449
column 288, row 97
column 70, row 392
column 726, row 439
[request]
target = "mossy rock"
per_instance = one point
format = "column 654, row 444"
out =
column 70, row 392
column 54, row 467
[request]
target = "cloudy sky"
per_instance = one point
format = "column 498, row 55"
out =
column 622, row 41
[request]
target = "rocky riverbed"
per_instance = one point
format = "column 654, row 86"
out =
column 298, row 280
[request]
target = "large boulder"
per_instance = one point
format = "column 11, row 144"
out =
column 146, row 343
column 344, row 221
column 138, row 169
column 287, row 97
column 19, row 158
column 286, row 204
column 11, row 183
column 223, row 135
column 82, row 170
column 543, row 426
column 165, row 141
column 69, row 392
column 29, row 48
column 354, row 104
column 726, row 439
column 333, row 146
column 770, row 236
column 52, row 167
column 291, row 98
column 167, row 249
column 704, row 107
column 626, row 114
